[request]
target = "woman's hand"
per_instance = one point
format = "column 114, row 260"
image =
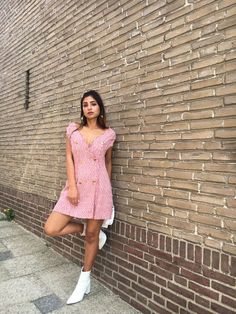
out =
column 73, row 195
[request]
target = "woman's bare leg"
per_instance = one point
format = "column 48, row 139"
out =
column 59, row 224
column 91, row 242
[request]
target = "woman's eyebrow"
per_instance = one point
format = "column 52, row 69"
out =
column 91, row 102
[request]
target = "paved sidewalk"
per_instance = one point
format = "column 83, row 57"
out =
column 35, row 279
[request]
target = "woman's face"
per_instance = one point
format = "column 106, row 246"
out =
column 91, row 109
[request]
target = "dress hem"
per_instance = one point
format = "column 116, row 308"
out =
column 61, row 212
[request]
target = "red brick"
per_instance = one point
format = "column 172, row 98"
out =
column 150, row 239
column 190, row 249
column 155, row 239
column 142, row 290
column 176, row 246
column 108, row 280
column 121, row 293
column 157, row 308
column 173, row 297
column 180, row 280
column 128, row 274
column 143, row 272
column 149, row 258
column 142, row 299
column 133, row 251
column 215, row 260
column 120, row 239
column 124, row 263
column 118, row 252
column 110, row 265
column 195, row 277
column 121, row 279
column 140, row 307
column 233, row 266
column 161, row 272
column 201, row 301
column 122, row 229
column 180, row 290
column 204, row 291
column 159, row 299
column 162, row 242
column 228, row 301
column 151, row 285
column 106, row 270
column 183, row 249
column 161, row 281
column 221, row 309
column 127, row 230
column 218, row 276
column 144, row 236
column 197, row 309
column 173, row 307
column 168, row 244
column 225, row 263
column 224, row 289
column 137, row 261
column 186, row 264
column 167, row 266
column 206, row 257
column 164, row 255
column 198, row 254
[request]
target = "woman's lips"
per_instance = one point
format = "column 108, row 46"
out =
column 90, row 112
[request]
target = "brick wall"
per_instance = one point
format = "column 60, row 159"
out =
column 166, row 71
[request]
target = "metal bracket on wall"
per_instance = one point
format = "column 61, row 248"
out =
column 27, row 78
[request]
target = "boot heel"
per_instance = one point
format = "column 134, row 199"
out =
column 87, row 290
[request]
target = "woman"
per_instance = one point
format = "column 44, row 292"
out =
column 88, row 192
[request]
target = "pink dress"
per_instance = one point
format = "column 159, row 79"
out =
column 92, row 180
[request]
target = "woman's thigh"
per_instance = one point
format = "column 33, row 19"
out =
column 56, row 222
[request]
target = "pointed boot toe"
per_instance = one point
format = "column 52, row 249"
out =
column 82, row 288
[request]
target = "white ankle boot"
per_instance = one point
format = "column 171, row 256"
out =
column 102, row 237
column 82, row 287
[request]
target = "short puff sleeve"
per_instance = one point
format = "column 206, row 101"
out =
column 70, row 129
column 110, row 139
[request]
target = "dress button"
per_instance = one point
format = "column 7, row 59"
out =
column 94, row 181
column 95, row 159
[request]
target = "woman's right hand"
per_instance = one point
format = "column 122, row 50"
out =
column 73, row 195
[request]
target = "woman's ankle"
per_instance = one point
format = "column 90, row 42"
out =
column 86, row 269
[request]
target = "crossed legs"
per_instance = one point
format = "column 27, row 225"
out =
column 59, row 224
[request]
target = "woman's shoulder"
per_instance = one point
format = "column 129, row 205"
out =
column 112, row 131
column 72, row 126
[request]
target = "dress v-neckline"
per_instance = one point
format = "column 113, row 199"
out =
column 89, row 144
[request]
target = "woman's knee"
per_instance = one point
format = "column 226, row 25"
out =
column 91, row 236
column 50, row 230
column 55, row 223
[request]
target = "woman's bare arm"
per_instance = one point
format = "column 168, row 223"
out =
column 70, row 168
column 108, row 161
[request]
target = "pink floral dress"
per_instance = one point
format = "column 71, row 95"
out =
column 92, row 180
